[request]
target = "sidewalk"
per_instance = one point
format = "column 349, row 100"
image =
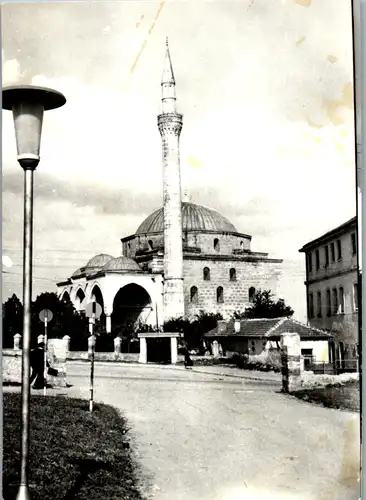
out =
column 216, row 370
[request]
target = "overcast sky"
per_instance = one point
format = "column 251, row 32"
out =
column 265, row 87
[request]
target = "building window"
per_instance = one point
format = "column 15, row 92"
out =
column 232, row 274
column 206, row 274
column 335, row 301
column 242, row 245
column 216, row 244
column 353, row 243
column 220, row 295
column 317, row 259
column 251, row 294
column 326, row 252
column 194, row 295
column 329, row 303
column 341, row 300
column 339, row 249
column 129, row 246
column 311, row 305
column 151, row 245
column 310, row 262
column 253, row 346
column 332, row 252
column 355, row 296
column 319, row 304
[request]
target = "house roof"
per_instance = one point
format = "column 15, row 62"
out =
column 270, row 328
column 330, row 234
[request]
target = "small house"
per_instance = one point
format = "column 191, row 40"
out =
column 252, row 336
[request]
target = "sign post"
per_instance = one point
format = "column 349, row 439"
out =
column 45, row 316
column 93, row 311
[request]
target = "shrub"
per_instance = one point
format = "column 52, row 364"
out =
column 268, row 360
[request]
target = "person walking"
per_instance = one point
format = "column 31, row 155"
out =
column 37, row 365
column 188, row 363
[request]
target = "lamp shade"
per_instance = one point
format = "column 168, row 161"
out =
column 28, row 118
column 28, row 104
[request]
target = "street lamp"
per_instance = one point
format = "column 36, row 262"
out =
column 28, row 104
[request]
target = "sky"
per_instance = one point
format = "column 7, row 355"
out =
column 265, row 87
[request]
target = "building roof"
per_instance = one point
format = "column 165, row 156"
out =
column 270, row 328
column 343, row 228
column 99, row 260
column 194, row 218
column 122, row 264
column 78, row 272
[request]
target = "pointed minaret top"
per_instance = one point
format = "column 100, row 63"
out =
column 168, row 75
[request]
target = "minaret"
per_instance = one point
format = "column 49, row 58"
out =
column 170, row 126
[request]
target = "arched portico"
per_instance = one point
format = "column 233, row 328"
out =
column 132, row 304
column 65, row 295
column 133, row 298
column 128, row 296
column 79, row 299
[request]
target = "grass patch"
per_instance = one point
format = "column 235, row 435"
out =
column 342, row 397
column 74, row 454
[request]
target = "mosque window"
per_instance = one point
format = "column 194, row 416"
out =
column 251, row 294
column 194, row 294
column 217, row 244
column 220, row 295
column 206, row 274
column 232, row 274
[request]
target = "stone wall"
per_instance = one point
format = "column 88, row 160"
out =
column 227, row 242
column 260, row 275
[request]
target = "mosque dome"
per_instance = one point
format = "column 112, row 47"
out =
column 98, row 260
column 77, row 272
column 122, row 264
column 194, row 218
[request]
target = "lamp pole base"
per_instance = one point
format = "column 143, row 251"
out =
column 23, row 493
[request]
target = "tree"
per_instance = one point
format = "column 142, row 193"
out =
column 265, row 307
column 12, row 320
column 66, row 320
column 194, row 330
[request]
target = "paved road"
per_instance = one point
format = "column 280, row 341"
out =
column 206, row 437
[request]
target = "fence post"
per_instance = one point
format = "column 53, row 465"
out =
column 16, row 339
column 66, row 340
column 117, row 346
column 291, row 361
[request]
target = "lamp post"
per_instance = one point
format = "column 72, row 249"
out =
column 28, row 104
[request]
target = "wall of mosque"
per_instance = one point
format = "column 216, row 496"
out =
column 235, row 280
column 211, row 243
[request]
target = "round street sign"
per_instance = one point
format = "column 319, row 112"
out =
column 93, row 307
column 45, row 315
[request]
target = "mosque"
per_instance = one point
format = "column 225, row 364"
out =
column 183, row 258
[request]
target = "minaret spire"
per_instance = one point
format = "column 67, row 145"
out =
column 168, row 96
column 170, row 125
